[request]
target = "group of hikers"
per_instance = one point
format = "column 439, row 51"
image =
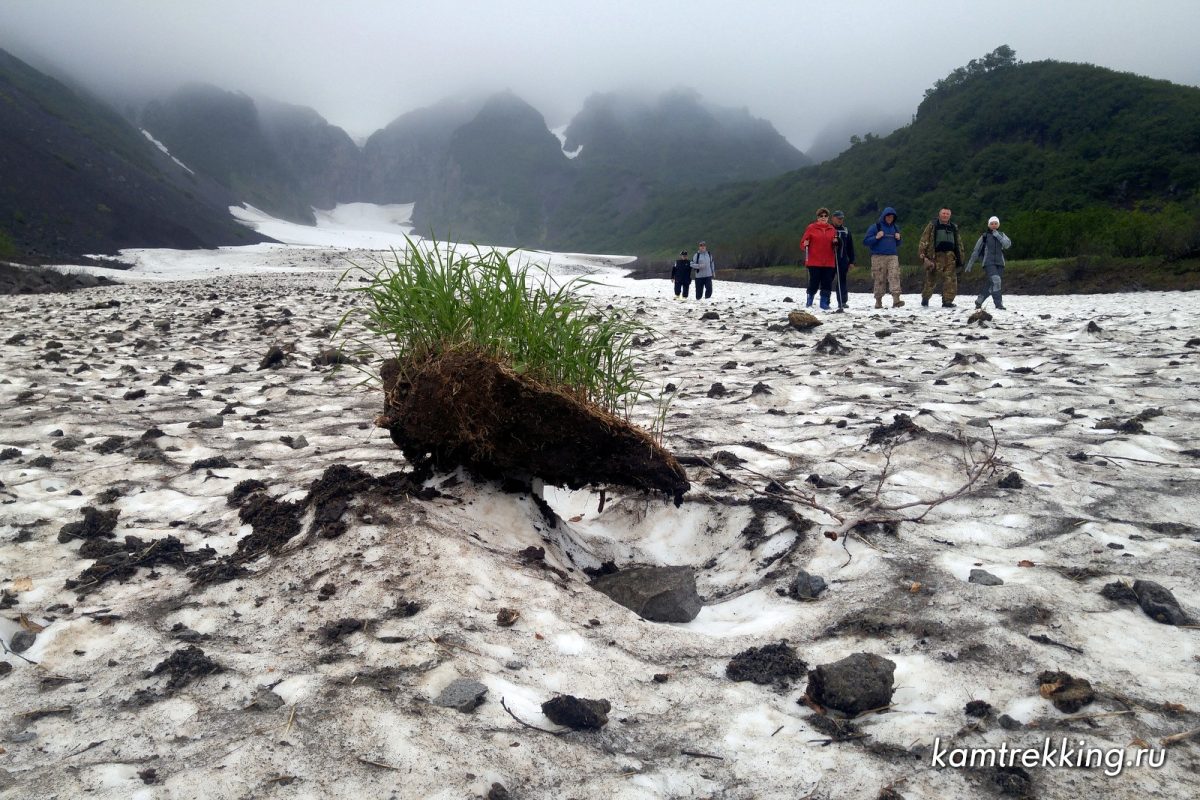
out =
column 828, row 251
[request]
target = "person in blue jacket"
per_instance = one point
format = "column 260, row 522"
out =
column 883, row 240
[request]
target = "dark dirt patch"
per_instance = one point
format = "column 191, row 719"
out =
column 1011, row 481
column 978, row 708
column 275, row 522
column 900, row 425
column 1067, row 693
column 216, row 462
column 467, row 410
column 1120, row 592
column 243, row 490
column 875, row 624
column 331, row 632
column 274, row 358
column 184, row 666
column 831, row 346
column 121, row 562
column 331, row 494
column 95, row 524
column 770, row 664
column 577, row 712
column 755, row 531
column 838, row 730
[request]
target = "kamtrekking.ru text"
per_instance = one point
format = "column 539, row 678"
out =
column 1052, row 753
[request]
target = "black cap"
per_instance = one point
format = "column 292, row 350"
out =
column 683, row 252
column 840, row 214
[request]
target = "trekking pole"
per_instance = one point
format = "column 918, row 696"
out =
column 837, row 276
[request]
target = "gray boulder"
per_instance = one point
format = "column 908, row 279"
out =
column 463, row 695
column 984, row 578
column 806, row 586
column 659, row 594
column 857, row 683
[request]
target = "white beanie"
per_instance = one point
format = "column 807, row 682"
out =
column 993, row 219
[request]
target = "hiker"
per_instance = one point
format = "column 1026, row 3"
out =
column 844, row 248
column 682, row 274
column 818, row 246
column 704, row 268
column 990, row 251
column 941, row 252
column 883, row 240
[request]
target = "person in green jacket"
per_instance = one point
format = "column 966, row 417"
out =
column 941, row 252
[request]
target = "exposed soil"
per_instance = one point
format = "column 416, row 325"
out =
column 276, row 522
column 120, row 562
column 772, row 663
column 183, row 667
column 466, row 410
column 577, row 712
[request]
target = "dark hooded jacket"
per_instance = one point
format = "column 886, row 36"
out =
column 887, row 246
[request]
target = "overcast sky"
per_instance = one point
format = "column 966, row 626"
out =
column 801, row 65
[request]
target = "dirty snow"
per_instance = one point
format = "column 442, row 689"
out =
column 356, row 718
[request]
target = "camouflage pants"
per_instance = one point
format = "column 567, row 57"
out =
column 945, row 269
column 885, row 270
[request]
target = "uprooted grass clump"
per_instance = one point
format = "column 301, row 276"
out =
column 433, row 300
column 510, row 374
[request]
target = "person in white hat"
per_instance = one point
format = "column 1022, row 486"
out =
column 989, row 251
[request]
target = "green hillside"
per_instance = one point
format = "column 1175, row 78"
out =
column 1073, row 158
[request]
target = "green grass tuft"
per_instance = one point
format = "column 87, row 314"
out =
column 432, row 299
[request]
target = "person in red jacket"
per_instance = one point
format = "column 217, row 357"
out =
column 817, row 244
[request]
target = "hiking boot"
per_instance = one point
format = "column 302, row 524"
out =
column 896, row 301
column 1000, row 307
column 978, row 306
column 948, row 305
column 841, row 310
column 925, row 301
column 879, row 302
column 808, row 303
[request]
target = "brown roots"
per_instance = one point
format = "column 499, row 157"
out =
column 466, row 409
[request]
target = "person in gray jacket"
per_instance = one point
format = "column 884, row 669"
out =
column 704, row 268
column 989, row 250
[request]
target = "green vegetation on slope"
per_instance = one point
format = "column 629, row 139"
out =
column 1073, row 158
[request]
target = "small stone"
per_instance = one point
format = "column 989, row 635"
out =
column 506, row 617
column 463, row 695
column 984, row 578
column 802, row 320
column 806, row 586
column 266, row 700
column 1008, row 723
column 22, row 640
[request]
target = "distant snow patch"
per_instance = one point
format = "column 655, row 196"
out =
column 167, row 152
column 561, row 133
